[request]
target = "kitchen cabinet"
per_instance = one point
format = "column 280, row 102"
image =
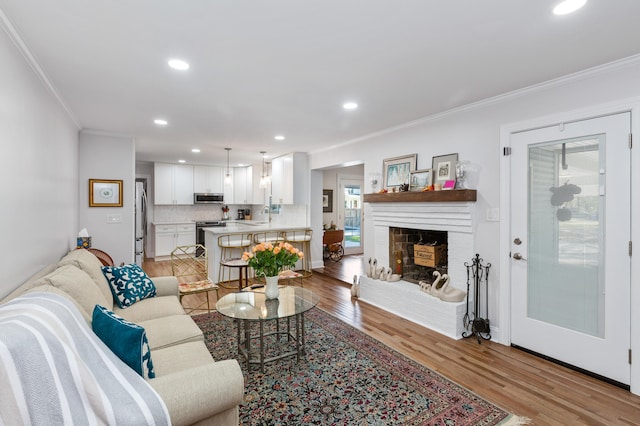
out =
column 243, row 185
column 290, row 179
column 169, row 236
column 208, row 179
column 173, row 183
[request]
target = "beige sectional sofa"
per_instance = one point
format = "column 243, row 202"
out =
column 195, row 388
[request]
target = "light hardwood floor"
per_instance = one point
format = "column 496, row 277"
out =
column 526, row 385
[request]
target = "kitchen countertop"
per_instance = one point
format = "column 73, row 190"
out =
column 181, row 222
column 251, row 226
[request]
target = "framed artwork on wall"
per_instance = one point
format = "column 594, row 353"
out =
column 444, row 168
column 420, row 179
column 327, row 200
column 105, row 193
column 397, row 170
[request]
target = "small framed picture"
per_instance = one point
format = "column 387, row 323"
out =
column 444, row 168
column 105, row 193
column 327, row 200
column 420, row 179
column 397, row 170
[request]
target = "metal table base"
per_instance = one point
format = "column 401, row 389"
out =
column 259, row 355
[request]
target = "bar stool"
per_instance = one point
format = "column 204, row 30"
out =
column 268, row 237
column 301, row 239
column 231, row 247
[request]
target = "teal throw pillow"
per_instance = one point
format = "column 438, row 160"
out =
column 125, row 339
column 129, row 284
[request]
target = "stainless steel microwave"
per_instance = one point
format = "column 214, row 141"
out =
column 202, row 198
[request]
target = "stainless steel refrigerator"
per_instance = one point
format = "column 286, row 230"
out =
column 141, row 222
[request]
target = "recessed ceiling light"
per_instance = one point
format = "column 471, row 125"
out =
column 279, row 137
column 181, row 161
column 196, row 150
column 350, row 105
column 178, row 64
column 160, row 122
column 568, row 6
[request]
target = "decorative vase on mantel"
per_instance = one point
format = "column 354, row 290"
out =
column 271, row 290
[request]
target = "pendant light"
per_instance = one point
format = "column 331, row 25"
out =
column 227, row 176
column 265, row 180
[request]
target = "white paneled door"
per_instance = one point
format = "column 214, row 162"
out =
column 570, row 233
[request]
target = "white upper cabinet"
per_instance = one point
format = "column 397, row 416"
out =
column 243, row 185
column 289, row 179
column 208, row 179
column 173, row 184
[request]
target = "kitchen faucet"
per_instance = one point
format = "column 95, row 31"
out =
column 267, row 207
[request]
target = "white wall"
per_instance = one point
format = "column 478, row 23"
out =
column 108, row 156
column 39, row 172
column 474, row 133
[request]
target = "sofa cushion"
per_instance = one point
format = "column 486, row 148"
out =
column 78, row 285
column 31, row 282
column 129, row 284
column 125, row 339
column 171, row 330
column 174, row 359
column 89, row 263
column 148, row 309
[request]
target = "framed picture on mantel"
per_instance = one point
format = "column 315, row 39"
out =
column 444, row 168
column 397, row 171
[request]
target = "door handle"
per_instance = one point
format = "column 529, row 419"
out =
column 518, row 256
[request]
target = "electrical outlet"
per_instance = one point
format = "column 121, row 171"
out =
column 114, row 218
column 493, row 215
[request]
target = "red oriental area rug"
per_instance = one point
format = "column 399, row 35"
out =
column 347, row 378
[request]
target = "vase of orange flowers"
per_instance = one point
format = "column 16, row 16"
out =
column 268, row 259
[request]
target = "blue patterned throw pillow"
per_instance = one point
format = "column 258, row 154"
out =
column 129, row 284
column 125, row 339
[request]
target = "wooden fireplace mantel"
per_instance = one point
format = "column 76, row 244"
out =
column 453, row 195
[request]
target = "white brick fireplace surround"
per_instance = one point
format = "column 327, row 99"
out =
column 404, row 298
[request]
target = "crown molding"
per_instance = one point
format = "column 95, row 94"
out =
column 560, row 81
column 13, row 34
column 107, row 133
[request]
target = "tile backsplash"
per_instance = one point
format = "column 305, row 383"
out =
column 295, row 215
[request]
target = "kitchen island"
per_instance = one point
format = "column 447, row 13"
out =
column 240, row 226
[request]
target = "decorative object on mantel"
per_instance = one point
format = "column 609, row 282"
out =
column 455, row 195
column 374, row 179
column 421, row 180
column 476, row 325
column 444, row 168
column 397, row 171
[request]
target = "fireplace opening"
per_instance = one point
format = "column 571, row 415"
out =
column 417, row 253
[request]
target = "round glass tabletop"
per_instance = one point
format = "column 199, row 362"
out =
column 251, row 305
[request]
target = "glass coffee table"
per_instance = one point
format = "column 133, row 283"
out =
column 248, row 307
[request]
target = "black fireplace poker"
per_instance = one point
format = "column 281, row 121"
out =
column 474, row 324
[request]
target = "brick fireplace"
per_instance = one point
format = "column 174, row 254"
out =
column 441, row 218
column 401, row 253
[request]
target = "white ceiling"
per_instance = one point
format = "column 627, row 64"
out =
column 260, row 68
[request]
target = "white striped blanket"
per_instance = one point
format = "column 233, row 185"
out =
column 55, row 371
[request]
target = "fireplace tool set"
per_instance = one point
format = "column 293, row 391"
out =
column 473, row 323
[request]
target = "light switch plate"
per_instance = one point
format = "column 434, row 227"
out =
column 493, row 215
column 114, row 218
